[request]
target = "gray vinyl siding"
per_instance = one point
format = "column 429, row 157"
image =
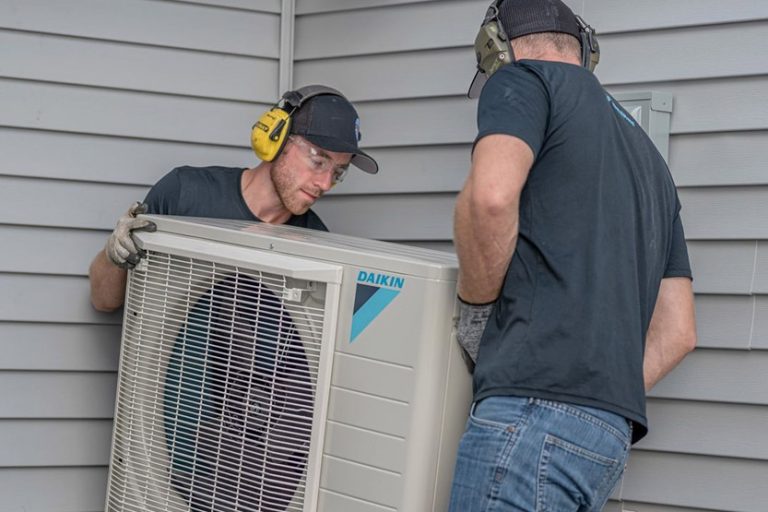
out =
column 407, row 65
column 97, row 101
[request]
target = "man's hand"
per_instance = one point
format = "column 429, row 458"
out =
column 121, row 249
column 472, row 320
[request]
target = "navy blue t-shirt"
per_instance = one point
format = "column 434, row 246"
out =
column 213, row 192
column 599, row 229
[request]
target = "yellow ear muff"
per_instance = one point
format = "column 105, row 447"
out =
column 269, row 134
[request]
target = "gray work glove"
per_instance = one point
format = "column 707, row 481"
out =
column 472, row 320
column 121, row 249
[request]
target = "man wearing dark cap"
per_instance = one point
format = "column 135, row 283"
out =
column 311, row 137
column 574, row 275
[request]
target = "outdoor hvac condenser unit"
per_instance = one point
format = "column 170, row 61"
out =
column 269, row 368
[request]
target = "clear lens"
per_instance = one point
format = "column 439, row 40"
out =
column 318, row 163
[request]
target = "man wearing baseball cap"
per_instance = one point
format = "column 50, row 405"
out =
column 574, row 278
column 306, row 142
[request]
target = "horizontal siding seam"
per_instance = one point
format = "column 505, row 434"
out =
column 139, row 44
column 223, row 7
column 45, row 274
column 682, row 27
column 135, row 91
column 386, row 53
column 73, row 180
column 49, row 466
column 308, row 12
column 126, row 137
column 56, row 226
column 114, row 136
column 694, row 454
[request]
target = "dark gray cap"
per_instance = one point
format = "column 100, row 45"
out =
column 523, row 17
column 331, row 122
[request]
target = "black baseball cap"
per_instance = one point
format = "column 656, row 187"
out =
column 523, row 17
column 331, row 122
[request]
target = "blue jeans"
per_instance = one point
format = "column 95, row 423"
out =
column 526, row 455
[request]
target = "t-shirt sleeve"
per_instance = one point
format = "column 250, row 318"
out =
column 678, row 264
column 163, row 197
column 514, row 102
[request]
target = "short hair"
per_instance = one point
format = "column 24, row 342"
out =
column 560, row 42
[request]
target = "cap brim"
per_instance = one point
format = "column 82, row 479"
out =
column 476, row 87
column 365, row 163
column 360, row 159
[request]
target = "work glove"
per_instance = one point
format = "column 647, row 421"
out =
column 121, row 248
column 472, row 320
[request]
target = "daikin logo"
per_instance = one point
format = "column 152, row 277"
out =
column 373, row 294
column 380, row 279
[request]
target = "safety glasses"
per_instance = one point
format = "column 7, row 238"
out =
column 319, row 163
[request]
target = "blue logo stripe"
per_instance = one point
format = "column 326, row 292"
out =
column 371, row 310
column 621, row 113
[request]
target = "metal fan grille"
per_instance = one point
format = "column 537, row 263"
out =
column 216, row 391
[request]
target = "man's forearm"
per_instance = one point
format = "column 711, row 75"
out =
column 485, row 241
column 659, row 362
column 662, row 356
column 487, row 215
column 107, row 284
column 672, row 331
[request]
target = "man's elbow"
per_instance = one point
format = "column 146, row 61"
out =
column 492, row 204
column 684, row 339
column 689, row 340
column 105, row 306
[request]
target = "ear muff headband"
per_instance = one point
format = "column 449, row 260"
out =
column 494, row 49
column 590, row 49
column 270, row 133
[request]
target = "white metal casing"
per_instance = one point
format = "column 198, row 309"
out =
column 390, row 404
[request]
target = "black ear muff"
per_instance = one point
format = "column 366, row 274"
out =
column 590, row 49
column 270, row 133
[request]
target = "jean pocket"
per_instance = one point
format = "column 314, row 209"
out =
column 608, row 422
column 574, row 477
column 485, row 422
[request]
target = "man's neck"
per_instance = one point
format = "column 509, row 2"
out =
column 548, row 55
column 260, row 195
